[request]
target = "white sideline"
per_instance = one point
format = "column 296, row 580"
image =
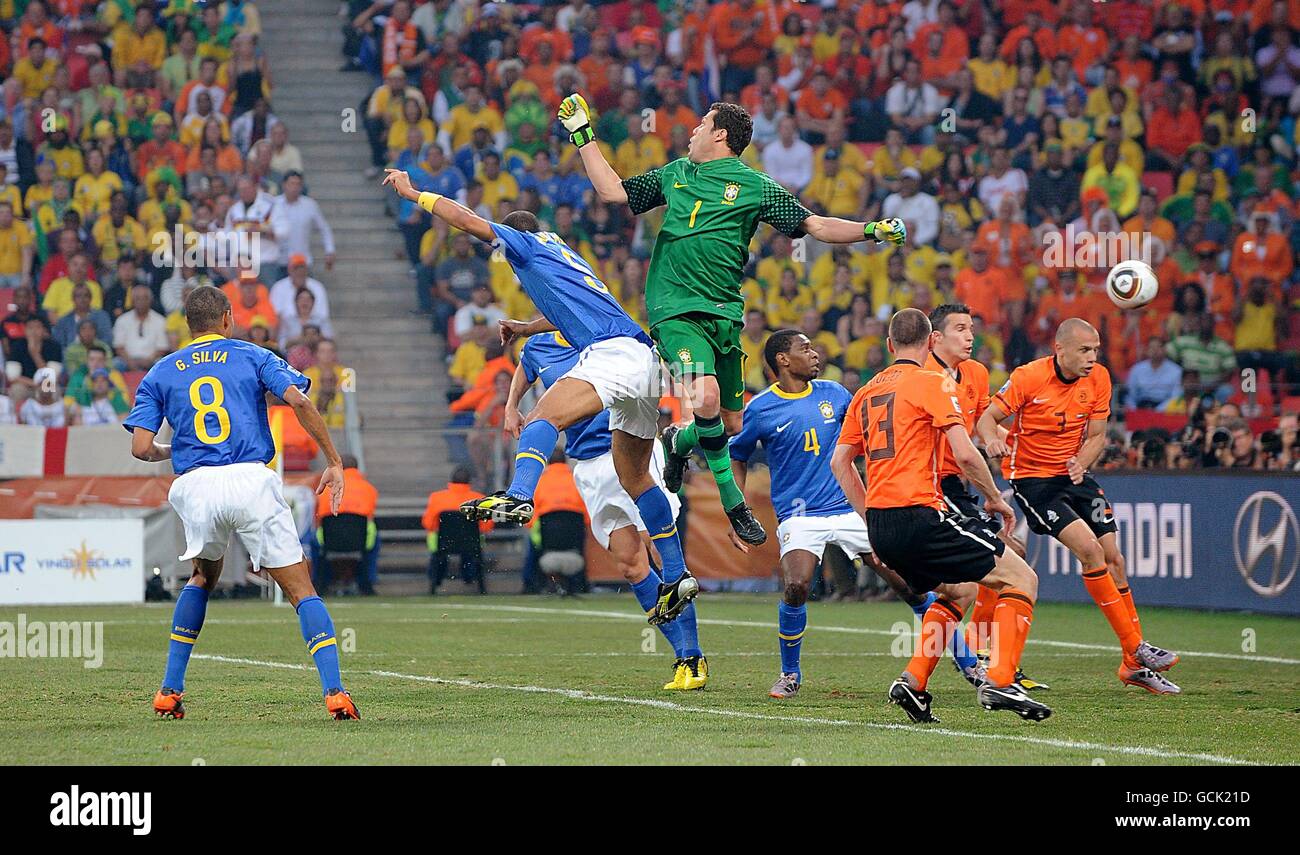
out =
column 1243, row 657
column 670, row 706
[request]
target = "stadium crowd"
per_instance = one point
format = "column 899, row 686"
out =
column 1028, row 144
column 137, row 141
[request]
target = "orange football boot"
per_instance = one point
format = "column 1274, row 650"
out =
column 167, row 703
column 340, row 706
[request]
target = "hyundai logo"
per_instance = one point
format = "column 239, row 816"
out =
column 1266, row 543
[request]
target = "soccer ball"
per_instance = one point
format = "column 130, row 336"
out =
column 1131, row 284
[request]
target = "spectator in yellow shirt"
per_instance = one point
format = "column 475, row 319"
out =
column 138, row 52
column 58, row 300
column 16, row 249
column 35, row 72
column 837, row 192
column 640, row 152
column 787, row 303
column 118, row 233
column 497, row 183
column 472, row 113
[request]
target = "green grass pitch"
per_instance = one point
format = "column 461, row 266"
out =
column 520, row 680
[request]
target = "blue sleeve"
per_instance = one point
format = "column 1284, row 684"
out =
column 743, row 444
column 147, row 412
column 518, row 246
column 278, row 375
column 528, row 361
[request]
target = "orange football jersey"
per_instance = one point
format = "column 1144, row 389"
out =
column 973, row 398
column 896, row 421
column 1051, row 416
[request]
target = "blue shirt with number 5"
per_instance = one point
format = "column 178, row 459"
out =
column 213, row 394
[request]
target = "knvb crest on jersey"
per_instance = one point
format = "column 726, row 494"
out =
column 1266, row 543
column 730, row 193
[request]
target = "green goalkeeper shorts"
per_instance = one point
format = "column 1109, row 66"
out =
column 694, row 345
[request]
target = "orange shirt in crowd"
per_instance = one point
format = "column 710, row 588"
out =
column 983, row 292
column 293, row 436
column 1173, row 133
column 1011, row 248
column 973, row 396
column 743, row 35
column 906, row 408
column 1126, row 341
column 1051, row 416
column 557, row 491
column 359, row 497
column 1270, row 258
column 450, row 499
column 1055, row 306
column 823, row 107
column 482, row 389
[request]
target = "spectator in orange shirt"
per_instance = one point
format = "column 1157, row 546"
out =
column 1010, row 246
column 1036, row 31
column 751, row 97
column 981, row 286
column 458, row 492
column 1262, row 251
column 742, row 31
column 1172, row 128
column 359, row 497
column 672, row 112
column 1079, row 39
column 1066, row 299
column 818, row 107
column 161, row 149
column 1217, row 289
column 249, row 299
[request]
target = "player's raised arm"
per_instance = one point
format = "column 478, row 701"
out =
column 450, row 211
column 576, row 118
column 310, row 419
column 783, row 212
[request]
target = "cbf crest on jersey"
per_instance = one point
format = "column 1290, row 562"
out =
column 684, row 356
column 729, row 195
column 827, row 411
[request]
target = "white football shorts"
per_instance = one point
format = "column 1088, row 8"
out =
column 625, row 374
column 608, row 505
column 241, row 498
column 811, row 534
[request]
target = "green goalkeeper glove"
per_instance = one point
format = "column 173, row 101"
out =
column 576, row 118
column 892, row 230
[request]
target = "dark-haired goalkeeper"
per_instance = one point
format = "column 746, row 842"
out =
column 693, row 301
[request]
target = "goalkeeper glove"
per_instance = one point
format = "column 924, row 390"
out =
column 576, row 118
column 892, row 230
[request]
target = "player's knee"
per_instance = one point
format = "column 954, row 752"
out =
column 635, row 483
column 962, row 595
column 796, row 593
column 708, row 401
column 1027, row 580
column 732, row 421
column 1092, row 555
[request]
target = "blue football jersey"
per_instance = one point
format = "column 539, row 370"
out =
column 549, row 356
column 213, row 394
column 799, row 433
column 565, row 289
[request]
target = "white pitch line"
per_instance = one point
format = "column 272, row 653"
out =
column 856, row 630
column 670, row 706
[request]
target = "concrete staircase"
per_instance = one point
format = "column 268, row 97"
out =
column 401, row 382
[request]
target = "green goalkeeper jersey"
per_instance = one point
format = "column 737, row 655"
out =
column 713, row 209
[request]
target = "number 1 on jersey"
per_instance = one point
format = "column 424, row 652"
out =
column 694, row 211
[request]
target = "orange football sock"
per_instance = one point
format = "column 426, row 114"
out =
column 980, row 625
column 1101, row 587
column 1127, row 594
column 1012, row 617
column 937, row 627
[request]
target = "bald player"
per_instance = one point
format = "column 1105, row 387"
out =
column 951, row 342
column 1059, row 406
column 898, row 421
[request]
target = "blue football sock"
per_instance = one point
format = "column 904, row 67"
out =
column 962, row 654
column 690, row 635
column 657, row 515
column 536, row 442
column 647, row 594
column 187, row 620
column 791, row 622
column 318, row 632
column 921, row 608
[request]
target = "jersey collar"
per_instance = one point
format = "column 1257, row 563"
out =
column 776, row 389
column 1056, row 367
column 907, row 362
column 207, row 337
column 945, row 366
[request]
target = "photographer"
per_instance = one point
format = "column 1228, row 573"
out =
column 1279, row 449
column 1234, row 445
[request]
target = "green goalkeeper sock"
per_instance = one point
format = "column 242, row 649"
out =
column 713, row 442
column 686, row 440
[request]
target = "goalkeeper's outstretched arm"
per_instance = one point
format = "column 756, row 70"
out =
column 837, row 230
column 576, row 118
column 455, row 214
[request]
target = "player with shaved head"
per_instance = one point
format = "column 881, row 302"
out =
column 1058, row 407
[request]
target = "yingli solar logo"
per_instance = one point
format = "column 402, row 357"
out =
column 83, row 562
